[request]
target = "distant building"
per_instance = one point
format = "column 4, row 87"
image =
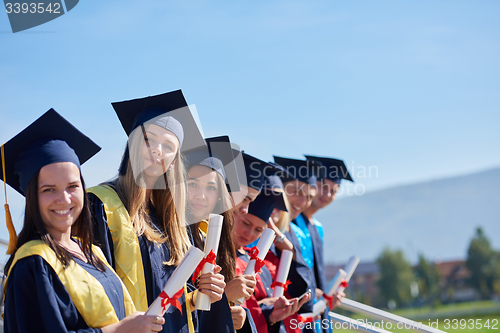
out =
column 363, row 285
column 454, row 288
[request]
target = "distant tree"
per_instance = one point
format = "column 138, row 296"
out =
column 484, row 265
column 428, row 277
column 396, row 276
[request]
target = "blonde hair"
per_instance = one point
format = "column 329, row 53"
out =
column 168, row 196
column 284, row 217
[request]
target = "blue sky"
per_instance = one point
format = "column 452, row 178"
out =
column 410, row 88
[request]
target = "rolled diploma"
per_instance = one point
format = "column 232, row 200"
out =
column 179, row 277
column 265, row 242
column 321, row 305
column 211, row 244
column 283, row 269
column 349, row 269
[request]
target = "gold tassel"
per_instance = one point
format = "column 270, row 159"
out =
column 12, row 231
column 8, row 218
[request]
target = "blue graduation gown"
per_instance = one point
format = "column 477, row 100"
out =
column 301, row 276
column 156, row 274
column 311, row 231
column 37, row 301
column 317, row 252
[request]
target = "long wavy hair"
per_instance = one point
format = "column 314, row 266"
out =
column 34, row 229
column 226, row 253
column 168, row 196
column 284, row 221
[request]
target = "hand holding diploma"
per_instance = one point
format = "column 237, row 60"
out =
column 241, row 286
column 211, row 284
column 175, row 286
column 215, row 221
column 257, row 255
column 349, row 268
column 335, row 290
column 280, row 284
column 259, row 252
column 322, row 304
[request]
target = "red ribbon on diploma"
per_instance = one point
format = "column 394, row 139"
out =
column 282, row 285
column 210, row 259
column 306, row 320
column 330, row 300
column 254, row 252
column 344, row 284
column 171, row 300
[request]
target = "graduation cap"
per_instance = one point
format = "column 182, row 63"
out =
column 282, row 173
column 239, row 165
column 169, row 111
column 266, row 201
column 255, row 171
column 50, row 139
column 303, row 170
column 332, row 169
column 273, row 183
column 222, row 147
column 217, row 155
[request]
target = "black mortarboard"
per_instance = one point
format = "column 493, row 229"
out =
column 255, row 171
column 239, row 164
column 217, row 155
column 332, row 169
column 302, row 170
column 266, row 201
column 281, row 172
column 50, row 139
column 169, row 111
column 222, row 147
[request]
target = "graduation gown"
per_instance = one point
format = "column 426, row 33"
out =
column 315, row 251
column 260, row 313
column 301, row 276
column 272, row 262
column 249, row 325
column 219, row 318
column 313, row 236
column 156, row 274
column 37, row 301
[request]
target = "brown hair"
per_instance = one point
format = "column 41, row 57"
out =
column 34, row 228
column 226, row 253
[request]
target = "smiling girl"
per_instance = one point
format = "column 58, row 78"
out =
column 208, row 171
column 56, row 280
column 139, row 217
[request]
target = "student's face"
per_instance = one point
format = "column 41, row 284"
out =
column 60, row 197
column 327, row 191
column 300, row 196
column 247, row 228
column 244, row 197
column 158, row 150
column 203, row 191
